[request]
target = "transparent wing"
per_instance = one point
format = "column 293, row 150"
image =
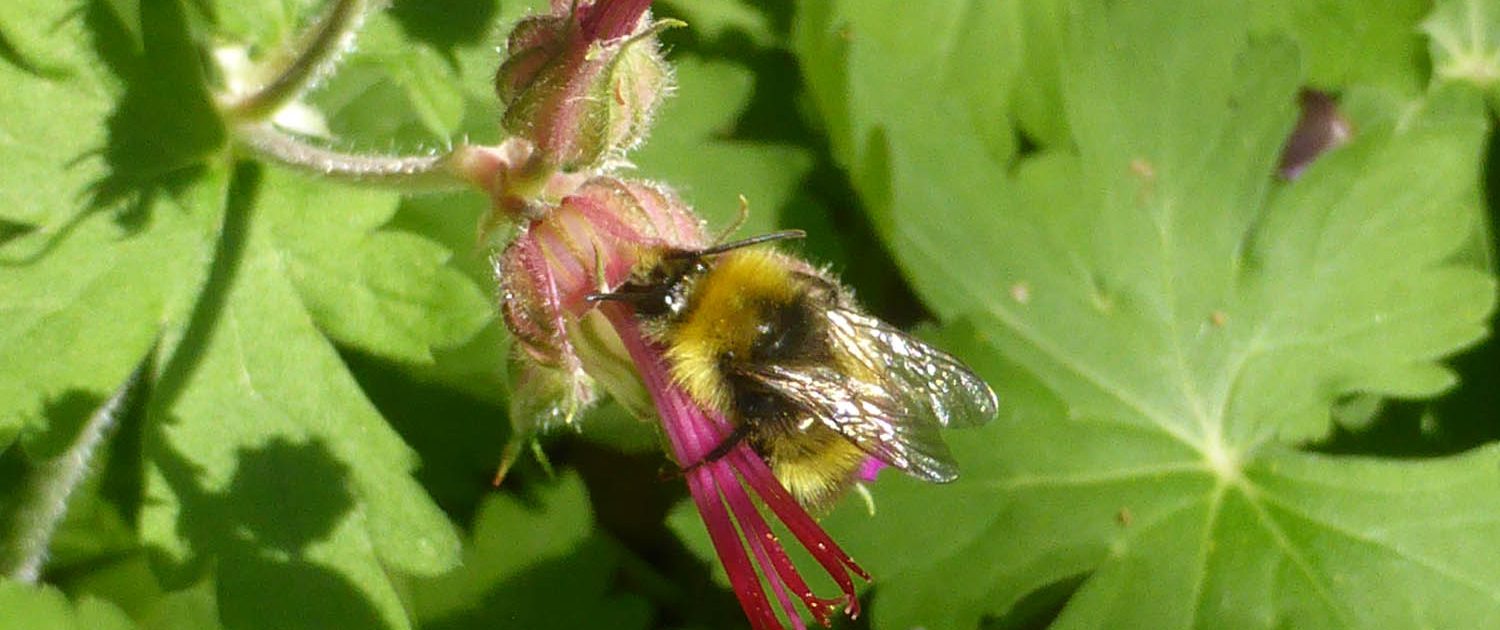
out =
column 945, row 390
column 890, row 396
column 866, row 413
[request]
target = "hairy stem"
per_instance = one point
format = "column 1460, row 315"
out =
column 410, row 173
column 314, row 55
column 53, row 483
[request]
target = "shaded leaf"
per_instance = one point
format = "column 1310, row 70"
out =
column 387, row 292
column 68, row 325
column 391, row 91
column 532, row 564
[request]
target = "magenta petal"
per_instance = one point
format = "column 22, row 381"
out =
column 833, row 559
column 721, row 531
column 694, row 433
column 774, row 561
column 762, row 543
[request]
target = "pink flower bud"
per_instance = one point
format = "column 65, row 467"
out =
column 583, row 85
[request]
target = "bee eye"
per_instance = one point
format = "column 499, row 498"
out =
column 783, row 333
column 655, row 305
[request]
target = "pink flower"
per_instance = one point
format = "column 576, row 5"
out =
column 580, row 86
column 569, row 346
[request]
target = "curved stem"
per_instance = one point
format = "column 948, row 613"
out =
column 411, row 173
column 317, row 49
column 54, row 482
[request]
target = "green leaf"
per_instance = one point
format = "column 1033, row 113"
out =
column 1038, row 95
column 263, row 455
column 393, row 91
column 692, row 149
column 109, row 137
column 532, row 564
column 386, row 292
column 474, row 366
column 1465, row 43
column 1161, row 540
column 43, row 61
column 716, row 18
column 964, row 82
column 29, row 607
column 68, row 332
column 1166, row 323
column 268, row 25
column 1351, row 42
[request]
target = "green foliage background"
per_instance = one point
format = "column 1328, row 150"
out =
column 1228, row 400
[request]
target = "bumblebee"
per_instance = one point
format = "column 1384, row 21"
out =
column 814, row 384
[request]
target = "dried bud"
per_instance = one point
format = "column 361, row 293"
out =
column 579, row 93
column 1320, row 128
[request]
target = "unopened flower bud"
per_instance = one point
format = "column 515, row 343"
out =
column 581, row 97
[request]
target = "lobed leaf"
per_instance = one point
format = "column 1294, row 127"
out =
column 68, row 332
column 1174, row 322
column 264, row 454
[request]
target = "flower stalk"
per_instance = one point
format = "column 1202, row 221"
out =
column 313, row 56
column 424, row 173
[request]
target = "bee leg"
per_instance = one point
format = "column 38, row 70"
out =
column 732, row 440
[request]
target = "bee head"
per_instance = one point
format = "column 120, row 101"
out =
column 661, row 290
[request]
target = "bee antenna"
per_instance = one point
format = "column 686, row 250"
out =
column 780, row 235
column 595, row 298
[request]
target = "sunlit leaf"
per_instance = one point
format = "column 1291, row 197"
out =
column 692, row 148
column 307, row 490
column 1166, row 323
column 44, row 608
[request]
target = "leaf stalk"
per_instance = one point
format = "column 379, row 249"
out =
column 45, row 502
